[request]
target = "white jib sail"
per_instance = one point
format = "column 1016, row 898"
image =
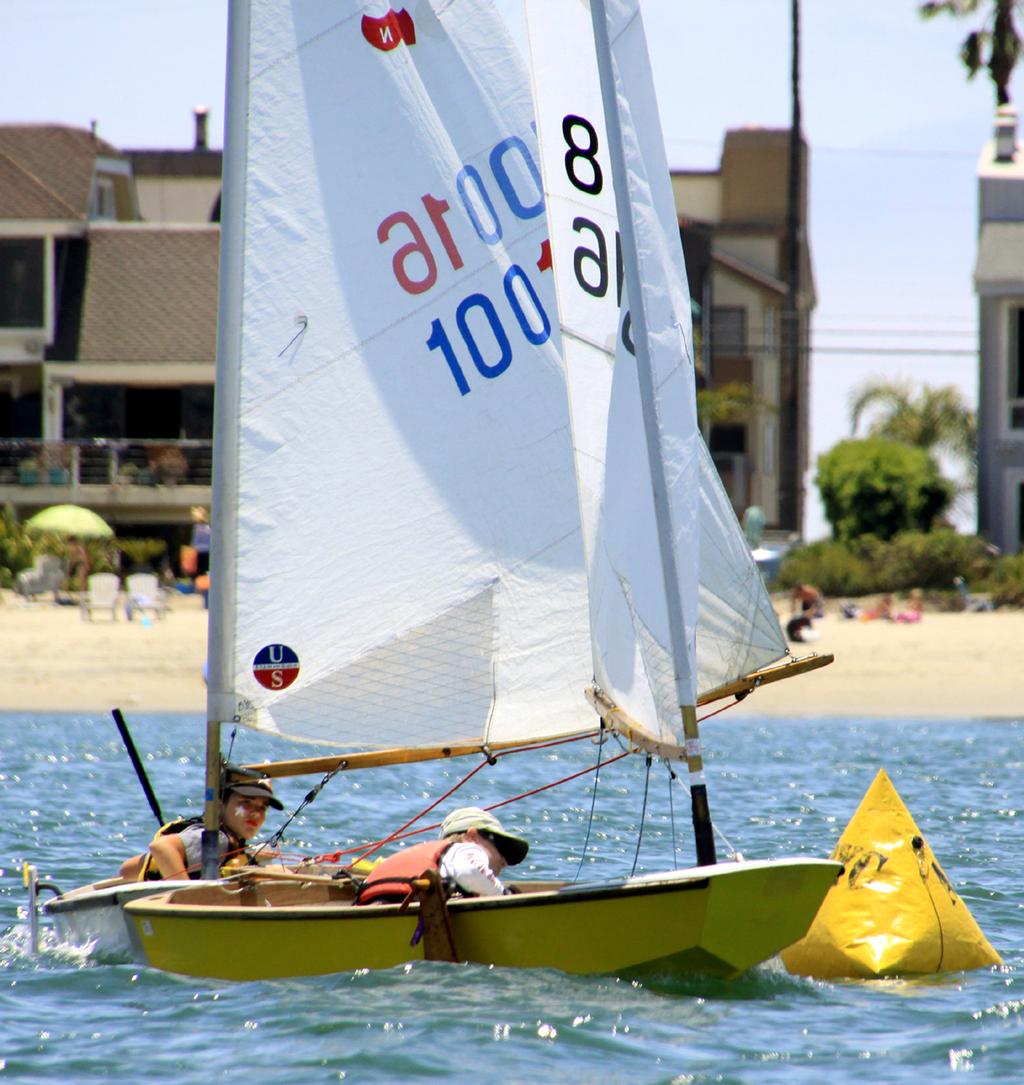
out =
column 737, row 629
column 409, row 564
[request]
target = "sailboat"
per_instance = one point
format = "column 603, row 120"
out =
column 439, row 528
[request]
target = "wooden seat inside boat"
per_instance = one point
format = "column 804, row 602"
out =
column 265, row 890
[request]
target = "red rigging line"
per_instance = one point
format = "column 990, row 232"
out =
column 370, row 848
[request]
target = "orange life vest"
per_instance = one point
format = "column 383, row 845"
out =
column 391, row 879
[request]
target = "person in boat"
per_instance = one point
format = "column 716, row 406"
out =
column 471, row 852
column 176, row 850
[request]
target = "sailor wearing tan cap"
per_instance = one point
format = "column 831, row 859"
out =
column 472, row 850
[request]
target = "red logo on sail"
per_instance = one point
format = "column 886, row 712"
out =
column 389, row 31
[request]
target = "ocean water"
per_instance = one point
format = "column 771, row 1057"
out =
column 70, row 804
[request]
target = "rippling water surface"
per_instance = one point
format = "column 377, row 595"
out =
column 70, row 804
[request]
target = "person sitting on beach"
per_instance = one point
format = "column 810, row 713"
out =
column 176, row 850
column 881, row 610
column 914, row 609
column 808, row 600
column 800, row 630
column 472, row 850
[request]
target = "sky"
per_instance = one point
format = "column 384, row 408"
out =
column 893, row 125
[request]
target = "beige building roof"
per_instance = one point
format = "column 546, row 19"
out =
column 151, row 294
column 46, row 170
column 1000, row 256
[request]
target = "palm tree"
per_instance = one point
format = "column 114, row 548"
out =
column 934, row 419
column 998, row 35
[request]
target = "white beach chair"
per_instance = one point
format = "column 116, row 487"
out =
column 47, row 574
column 144, row 593
column 101, row 593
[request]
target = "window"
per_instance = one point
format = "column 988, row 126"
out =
column 1015, row 369
column 22, row 260
column 1020, row 517
column 728, row 438
column 768, row 451
column 104, row 206
column 728, row 330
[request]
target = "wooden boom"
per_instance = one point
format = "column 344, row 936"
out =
column 613, row 716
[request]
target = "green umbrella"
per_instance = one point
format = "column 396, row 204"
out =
column 69, row 520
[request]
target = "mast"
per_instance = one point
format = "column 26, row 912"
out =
column 220, row 704
column 682, row 671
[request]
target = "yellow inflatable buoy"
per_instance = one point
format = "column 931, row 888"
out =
column 893, row 912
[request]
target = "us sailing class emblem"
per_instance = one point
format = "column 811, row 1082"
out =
column 276, row 666
column 390, row 30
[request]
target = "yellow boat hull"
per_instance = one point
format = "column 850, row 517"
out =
column 718, row 920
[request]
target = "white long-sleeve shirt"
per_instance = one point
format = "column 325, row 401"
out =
column 469, row 867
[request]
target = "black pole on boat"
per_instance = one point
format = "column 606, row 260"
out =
column 129, row 745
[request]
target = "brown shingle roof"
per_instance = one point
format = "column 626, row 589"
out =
column 46, row 170
column 150, row 294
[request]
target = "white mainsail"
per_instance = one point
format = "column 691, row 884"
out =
column 397, row 556
column 737, row 630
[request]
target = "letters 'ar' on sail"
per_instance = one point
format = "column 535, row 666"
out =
column 731, row 621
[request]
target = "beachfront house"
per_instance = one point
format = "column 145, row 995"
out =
column 108, row 294
column 733, row 224
column 999, row 283
column 108, row 291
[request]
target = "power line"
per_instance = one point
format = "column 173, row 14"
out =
column 924, row 333
column 929, row 352
column 816, row 148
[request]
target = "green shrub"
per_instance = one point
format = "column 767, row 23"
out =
column 17, row 550
column 1006, row 581
column 868, row 565
column 880, row 487
column 831, row 566
column 141, row 552
column 917, row 560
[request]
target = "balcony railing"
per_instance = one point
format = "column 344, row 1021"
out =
column 105, row 462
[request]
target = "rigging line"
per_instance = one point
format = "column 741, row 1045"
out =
column 718, row 832
column 556, row 783
column 672, row 814
column 274, row 840
column 303, row 322
column 398, row 834
column 401, row 834
column 643, row 816
column 724, row 708
column 593, row 800
column 231, row 743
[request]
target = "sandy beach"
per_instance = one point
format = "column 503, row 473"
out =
column 948, row 665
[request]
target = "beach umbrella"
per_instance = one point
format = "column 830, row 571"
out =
column 69, row 520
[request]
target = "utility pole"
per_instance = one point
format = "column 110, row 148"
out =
column 792, row 412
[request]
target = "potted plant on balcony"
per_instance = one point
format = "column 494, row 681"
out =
column 28, row 471
column 128, row 474
column 57, row 460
